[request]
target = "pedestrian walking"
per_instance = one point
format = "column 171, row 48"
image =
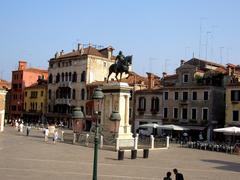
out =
column 46, row 132
column 179, row 176
column 21, row 127
column 55, row 136
column 28, row 129
column 168, row 177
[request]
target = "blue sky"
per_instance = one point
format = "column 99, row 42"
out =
column 157, row 33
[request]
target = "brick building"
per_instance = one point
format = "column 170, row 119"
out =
column 21, row 78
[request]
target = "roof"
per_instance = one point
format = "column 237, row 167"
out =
column 40, row 84
column 5, row 84
column 173, row 76
column 36, row 70
column 135, row 78
column 205, row 61
column 86, row 51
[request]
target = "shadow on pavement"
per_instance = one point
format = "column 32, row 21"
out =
column 224, row 165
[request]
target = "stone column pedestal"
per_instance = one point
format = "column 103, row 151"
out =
column 116, row 98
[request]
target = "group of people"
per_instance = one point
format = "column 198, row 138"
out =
column 46, row 134
column 179, row 176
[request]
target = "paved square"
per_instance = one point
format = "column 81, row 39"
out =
column 30, row 157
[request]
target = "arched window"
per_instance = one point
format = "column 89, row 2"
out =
column 66, row 76
column 83, row 76
column 50, row 79
column 142, row 103
column 62, row 77
column 155, row 104
column 57, row 78
column 70, row 76
column 74, row 94
column 49, row 94
column 57, row 93
column 82, row 94
column 74, row 78
column 69, row 93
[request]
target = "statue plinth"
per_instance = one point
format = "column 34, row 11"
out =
column 116, row 98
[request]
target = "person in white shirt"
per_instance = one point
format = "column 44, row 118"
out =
column 46, row 132
column 55, row 136
column 21, row 127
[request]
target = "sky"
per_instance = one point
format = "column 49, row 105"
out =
column 157, row 33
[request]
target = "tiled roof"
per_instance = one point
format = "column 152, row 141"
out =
column 173, row 76
column 86, row 51
column 36, row 70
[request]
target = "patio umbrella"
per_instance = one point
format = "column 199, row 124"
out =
column 150, row 125
column 173, row 127
column 229, row 130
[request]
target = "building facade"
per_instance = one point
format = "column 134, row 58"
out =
column 69, row 75
column 3, row 93
column 21, row 78
column 233, row 104
column 35, row 102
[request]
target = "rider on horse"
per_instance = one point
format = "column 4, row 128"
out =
column 119, row 60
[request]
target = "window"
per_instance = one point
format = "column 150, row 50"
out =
column 14, row 108
column 194, row 95
column 205, row 96
column 57, row 78
column 104, row 64
column 50, row 79
column 34, row 94
column 235, row 95
column 49, row 94
column 165, row 95
column 74, row 78
column 235, row 115
column 66, row 76
column 62, row 77
column 41, row 93
column 36, row 106
column 49, row 108
column 175, row 113
column 74, row 94
column 194, row 113
column 83, row 76
column 155, row 104
column 59, row 64
column 184, row 113
column 82, row 94
column 25, row 106
column 165, row 112
column 176, row 96
column 185, row 96
column 70, row 76
column 41, row 106
column 82, row 109
column 185, row 78
column 20, row 86
column 25, row 94
column 205, row 114
column 142, row 103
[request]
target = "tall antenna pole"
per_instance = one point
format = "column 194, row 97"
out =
column 207, row 44
column 200, row 37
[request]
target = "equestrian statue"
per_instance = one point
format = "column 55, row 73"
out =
column 121, row 66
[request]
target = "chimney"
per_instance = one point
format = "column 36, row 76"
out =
column 164, row 74
column 56, row 55
column 79, row 46
column 62, row 52
column 22, row 65
column 150, row 80
column 182, row 62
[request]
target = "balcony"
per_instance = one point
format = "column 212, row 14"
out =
column 65, row 84
column 154, row 111
column 63, row 101
column 183, row 102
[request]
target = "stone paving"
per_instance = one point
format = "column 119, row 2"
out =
column 24, row 158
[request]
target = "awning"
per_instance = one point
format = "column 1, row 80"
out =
column 198, row 128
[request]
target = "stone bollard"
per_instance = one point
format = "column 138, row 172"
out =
column 168, row 141
column 86, row 140
column 117, row 144
column 74, row 138
column 120, row 154
column 136, row 142
column 101, row 141
column 133, row 154
column 152, row 141
column 62, row 134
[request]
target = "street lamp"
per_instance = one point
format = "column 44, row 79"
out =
column 98, row 96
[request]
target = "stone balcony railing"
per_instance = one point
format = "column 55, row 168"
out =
column 63, row 101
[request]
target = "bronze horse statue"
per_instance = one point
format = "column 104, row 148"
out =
column 120, row 68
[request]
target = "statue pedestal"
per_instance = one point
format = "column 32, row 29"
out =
column 116, row 98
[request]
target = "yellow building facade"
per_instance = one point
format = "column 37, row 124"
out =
column 232, row 105
column 35, row 102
